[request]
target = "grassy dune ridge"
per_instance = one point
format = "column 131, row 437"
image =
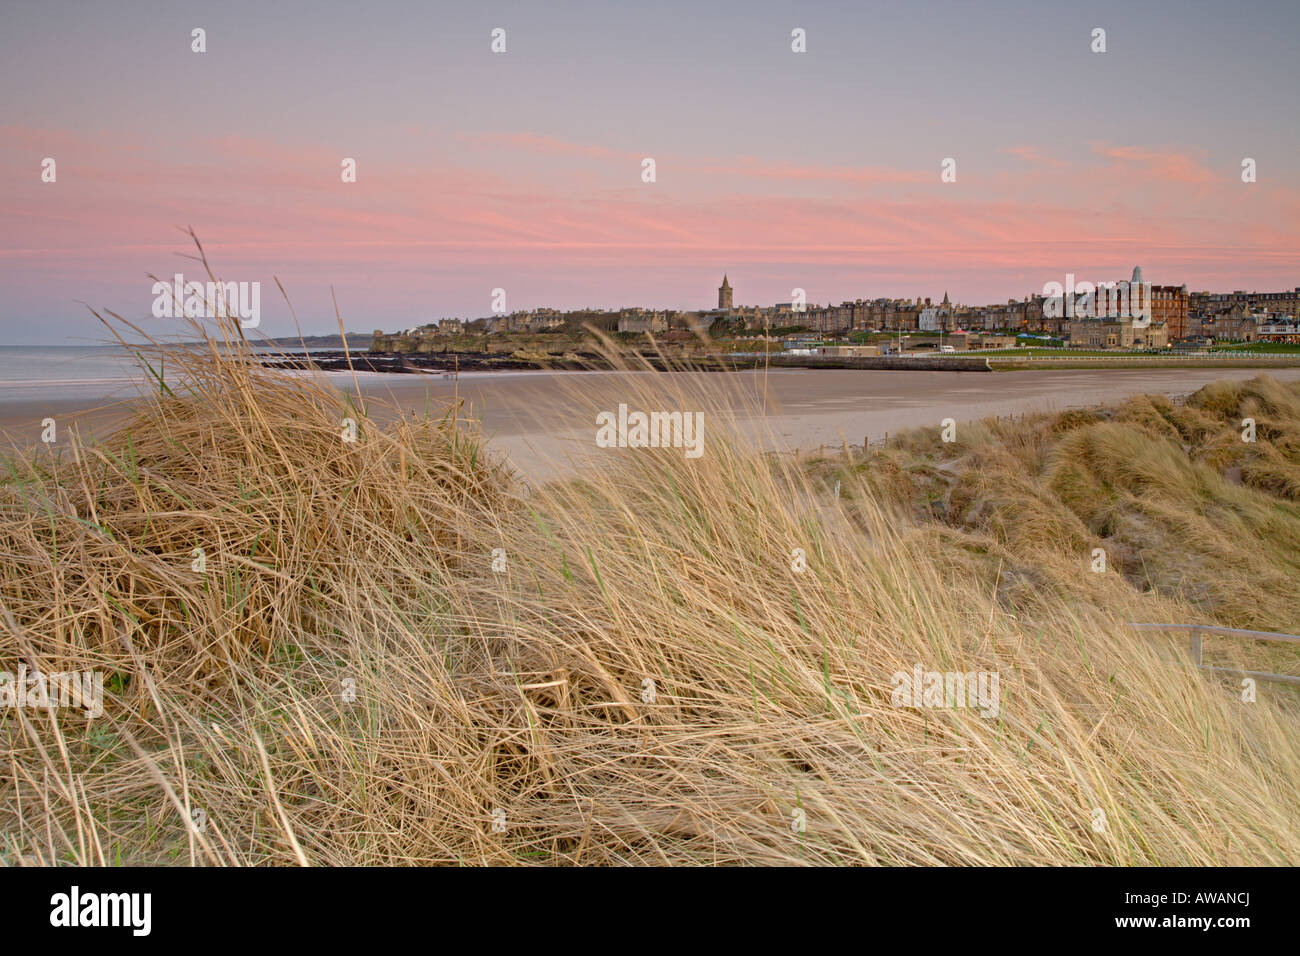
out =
column 650, row 678
column 1179, row 502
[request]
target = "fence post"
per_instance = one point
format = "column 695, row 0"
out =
column 1196, row 647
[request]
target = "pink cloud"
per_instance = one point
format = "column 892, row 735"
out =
column 427, row 220
column 1169, row 165
column 1037, row 157
column 758, row 169
column 542, row 145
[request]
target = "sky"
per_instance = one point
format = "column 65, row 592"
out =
column 523, row 170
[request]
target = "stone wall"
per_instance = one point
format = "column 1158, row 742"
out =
column 937, row 363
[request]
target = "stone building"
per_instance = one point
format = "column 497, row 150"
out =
column 1169, row 308
column 643, row 320
column 1107, row 333
column 1235, row 324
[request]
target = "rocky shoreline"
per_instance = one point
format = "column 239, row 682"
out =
column 421, row 364
column 440, row 362
column 443, row 362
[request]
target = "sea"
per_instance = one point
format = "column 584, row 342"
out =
column 100, row 373
column 48, row 372
column 75, row 372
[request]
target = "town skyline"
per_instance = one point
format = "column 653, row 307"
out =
column 867, row 298
column 1131, row 312
column 1071, row 282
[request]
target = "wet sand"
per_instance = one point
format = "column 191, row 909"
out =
column 544, row 422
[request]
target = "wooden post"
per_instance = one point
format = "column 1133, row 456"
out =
column 1196, row 647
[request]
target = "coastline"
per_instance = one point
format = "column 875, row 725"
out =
column 418, row 363
column 543, row 421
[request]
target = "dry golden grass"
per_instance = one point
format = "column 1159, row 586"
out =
column 369, row 565
column 1181, row 504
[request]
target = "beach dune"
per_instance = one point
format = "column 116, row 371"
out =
column 545, row 422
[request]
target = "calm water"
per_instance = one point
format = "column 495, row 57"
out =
column 93, row 373
column 83, row 372
column 43, row 372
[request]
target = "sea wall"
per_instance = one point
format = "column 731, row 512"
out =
column 936, row 363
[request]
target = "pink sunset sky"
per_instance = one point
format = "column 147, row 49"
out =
column 522, row 170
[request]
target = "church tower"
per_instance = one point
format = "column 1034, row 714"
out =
column 724, row 294
column 1139, row 297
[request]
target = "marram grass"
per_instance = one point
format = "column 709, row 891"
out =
column 396, row 653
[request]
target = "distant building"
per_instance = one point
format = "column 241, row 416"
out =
column 1232, row 316
column 692, row 323
column 972, row 341
column 1109, row 303
column 1169, row 308
column 1279, row 332
column 1167, row 304
column 643, row 320
column 845, row 351
column 799, row 342
column 947, row 314
column 1117, row 333
column 1234, row 324
column 831, row 319
column 1175, row 314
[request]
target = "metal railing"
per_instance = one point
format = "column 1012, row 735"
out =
column 1196, row 630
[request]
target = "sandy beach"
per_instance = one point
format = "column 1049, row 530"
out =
column 544, row 422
